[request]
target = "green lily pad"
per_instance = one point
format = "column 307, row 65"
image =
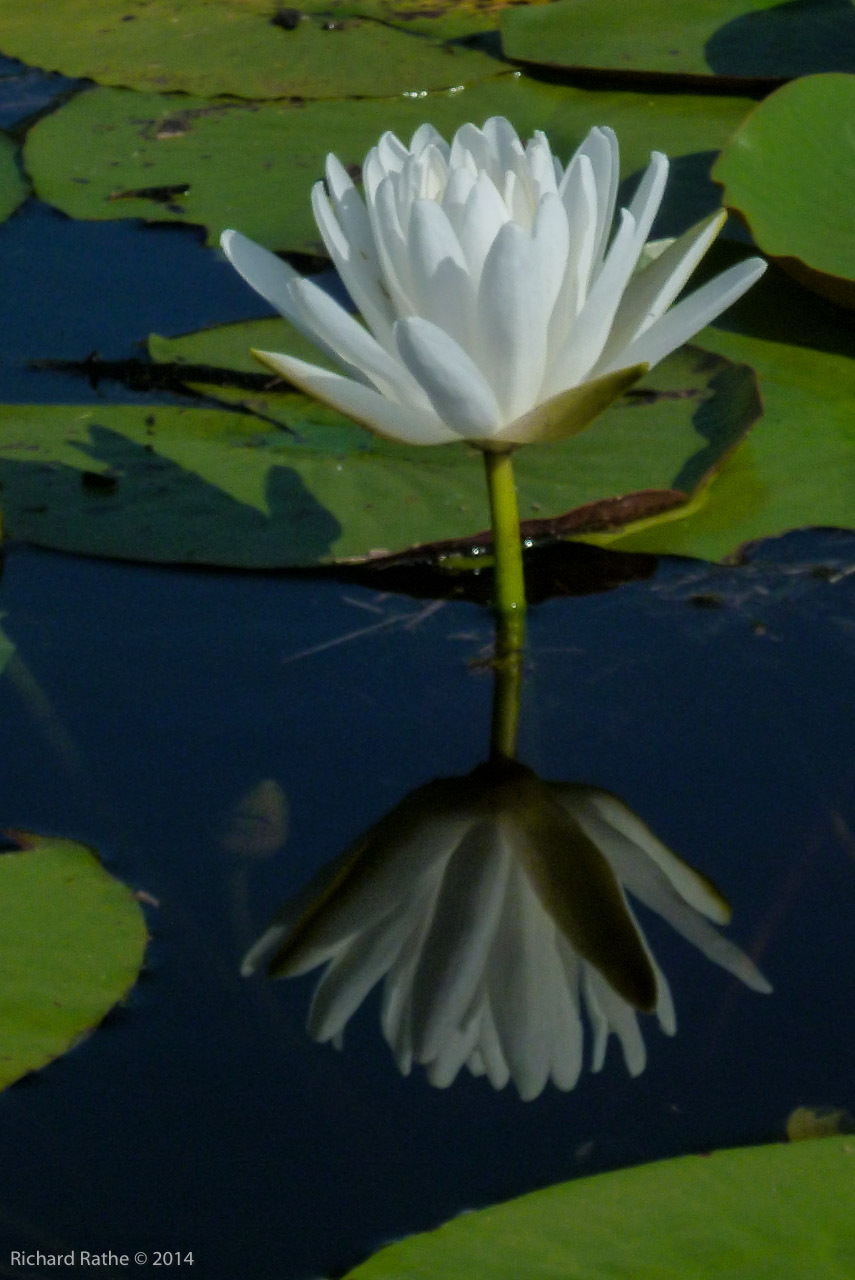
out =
column 244, row 48
column 295, row 484
column 804, row 214
column 72, row 940
column 797, row 467
column 783, row 1211
column 13, row 187
column 109, row 153
column 735, row 40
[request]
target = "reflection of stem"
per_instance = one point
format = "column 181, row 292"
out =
column 509, row 590
column 508, row 603
column 507, row 687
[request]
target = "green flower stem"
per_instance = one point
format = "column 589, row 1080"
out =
column 508, row 602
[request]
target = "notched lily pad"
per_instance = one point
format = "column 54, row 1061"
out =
column 802, row 214
column 244, row 48
column 72, row 940
column 785, row 1210
column 221, row 163
column 796, row 470
column 291, row 483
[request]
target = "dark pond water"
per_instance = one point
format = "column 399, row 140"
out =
column 142, row 704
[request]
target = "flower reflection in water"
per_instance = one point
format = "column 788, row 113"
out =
column 493, row 908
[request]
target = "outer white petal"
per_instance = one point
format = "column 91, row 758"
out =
column 512, row 322
column 353, row 345
column 350, row 243
column 368, row 407
column 650, row 293
column 585, row 341
column 275, row 281
column 688, row 317
column 268, row 275
column 455, row 386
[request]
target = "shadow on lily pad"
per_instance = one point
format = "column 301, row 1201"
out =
column 794, row 39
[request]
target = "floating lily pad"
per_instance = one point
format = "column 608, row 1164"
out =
column 72, row 940
column 750, row 40
column 783, row 1211
column 13, row 187
column 293, row 483
column 803, row 214
column 245, row 48
column 109, row 153
column 797, row 467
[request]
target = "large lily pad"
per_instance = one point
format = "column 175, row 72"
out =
column 13, row 187
column 72, row 940
column 292, row 483
column 803, row 214
column 783, row 1211
column 113, row 154
column 797, row 467
column 245, row 48
column 751, row 40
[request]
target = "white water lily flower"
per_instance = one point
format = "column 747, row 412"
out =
column 500, row 306
column 493, row 910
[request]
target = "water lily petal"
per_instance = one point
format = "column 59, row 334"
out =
column 392, row 248
column 428, row 136
column 691, row 315
column 483, row 217
column 347, row 234
column 408, row 425
column 455, row 386
column 601, row 149
column 587, row 337
column 512, row 322
column 353, row 345
column 650, row 293
column 268, row 275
